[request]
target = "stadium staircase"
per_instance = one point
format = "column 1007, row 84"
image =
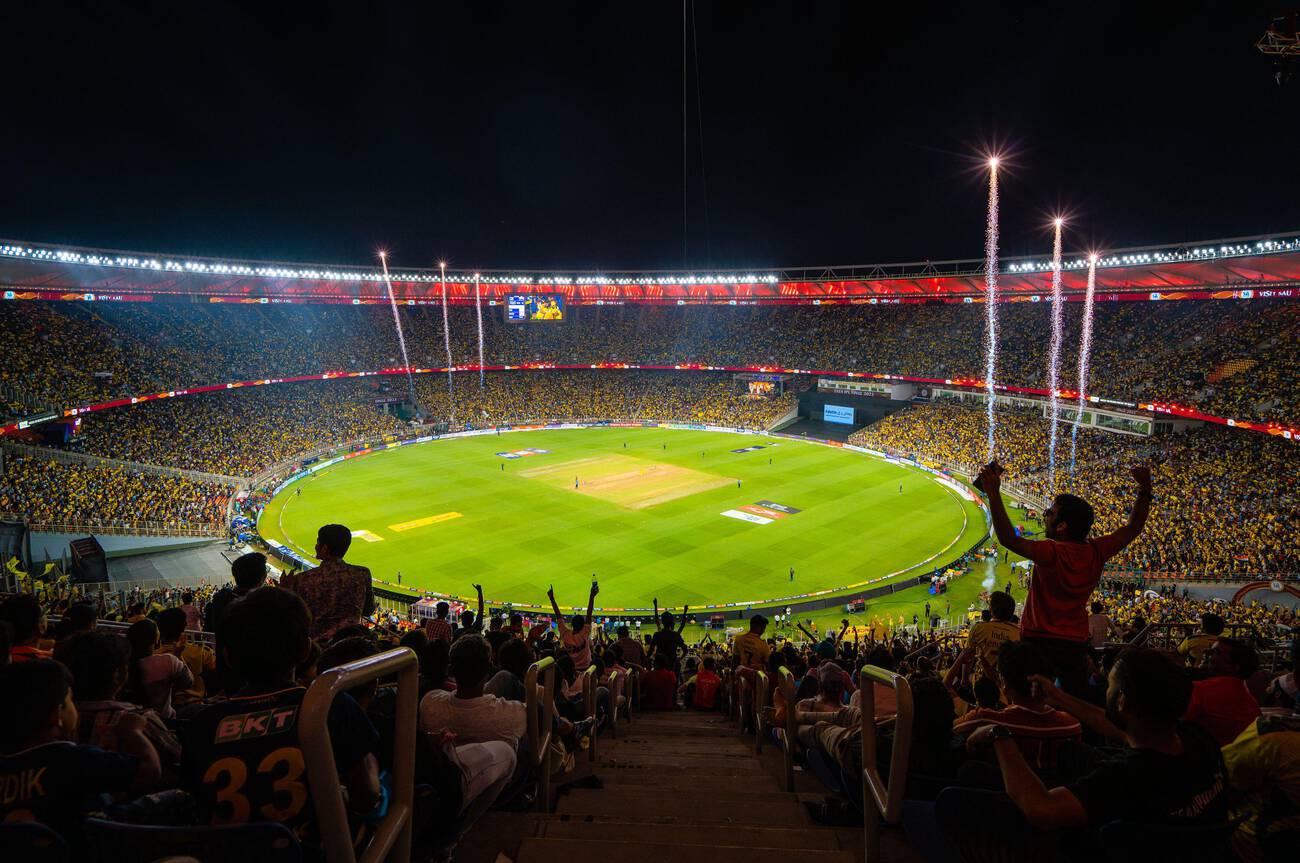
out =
column 682, row 787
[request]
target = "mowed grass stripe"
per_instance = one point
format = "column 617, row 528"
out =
column 518, row 534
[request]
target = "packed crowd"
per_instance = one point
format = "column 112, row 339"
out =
column 238, row 432
column 52, row 493
column 696, row 397
column 1010, row 741
column 1228, row 501
column 1228, row 358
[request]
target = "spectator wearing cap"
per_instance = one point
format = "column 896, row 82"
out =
column 338, row 593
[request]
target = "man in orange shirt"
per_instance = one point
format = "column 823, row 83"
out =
column 24, row 614
column 1067, row 566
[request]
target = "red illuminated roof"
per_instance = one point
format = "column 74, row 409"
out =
column 1219, row 267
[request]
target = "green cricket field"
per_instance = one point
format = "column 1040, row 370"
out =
column 687, row 517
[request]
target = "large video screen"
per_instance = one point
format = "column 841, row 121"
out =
column 837, row 414
column 534, row 307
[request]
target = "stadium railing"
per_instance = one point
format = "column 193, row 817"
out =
column 392, row 835
column 620, row 702
column 193, row 636
column 762, row 685
column 788, row 734
column 590, row 684
column 883, row 801
column 541, row 721
column 124, row 528
column 70, row 457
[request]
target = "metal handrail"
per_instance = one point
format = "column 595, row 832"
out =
column 744, row 699
column 618, row 680
column 392, row 836
column 540, row 743
column 589, row 685
column 790, row 731
column 885, row 801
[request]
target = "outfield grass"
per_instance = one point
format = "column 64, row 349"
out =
column 645, row 519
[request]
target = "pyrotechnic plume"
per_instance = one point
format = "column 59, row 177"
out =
column 446, row 340
column 1054, row 358
column 1085, row 356
column 991, row 301
column 478, row 310
column 397, row 323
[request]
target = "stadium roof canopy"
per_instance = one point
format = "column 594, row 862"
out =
column 1241, row 267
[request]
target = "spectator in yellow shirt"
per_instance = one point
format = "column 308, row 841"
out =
column 1193, row 647
column 750, row 650
column 987, row 637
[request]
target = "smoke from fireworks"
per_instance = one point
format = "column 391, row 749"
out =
column 1054, row 359
column 478, row 310
column 397, row 322
column 991, row 299
column 1085, row 355
column 446, row 340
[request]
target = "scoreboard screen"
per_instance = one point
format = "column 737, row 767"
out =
column 534, row 307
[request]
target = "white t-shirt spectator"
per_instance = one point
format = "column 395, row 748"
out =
column 473, row 720
column 161, row 675
column 1099, row 628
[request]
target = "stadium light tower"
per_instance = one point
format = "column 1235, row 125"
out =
column 1282, row 42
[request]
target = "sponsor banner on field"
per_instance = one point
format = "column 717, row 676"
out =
column 523, row 453
column 748, row 448
column 747, row 516
column 763, row 511
column 769, row 504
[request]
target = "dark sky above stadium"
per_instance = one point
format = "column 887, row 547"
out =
column 549, row 134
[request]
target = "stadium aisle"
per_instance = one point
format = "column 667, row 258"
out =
column 681, row 786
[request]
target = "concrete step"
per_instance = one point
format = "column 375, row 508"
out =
column 687, row 782
column 705, row 792
column 670, row 749
column 549, row 850
column 699, row 765
column 687, row 809
column 561, row 827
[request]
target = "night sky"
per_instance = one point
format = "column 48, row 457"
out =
column 549, row 134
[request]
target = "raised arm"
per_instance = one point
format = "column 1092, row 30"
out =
column 591, row 601
column 1141, row 509
column 1042, row 807
column 681, row 624
column 478, row 588
column 656, row 612
column 550, row 594
column 843, row 629
column 806, row 632
column 990, row 478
